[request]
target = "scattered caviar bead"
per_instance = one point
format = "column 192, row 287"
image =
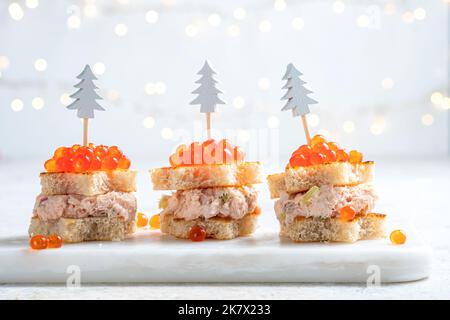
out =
column 38, row 242
column 115, row 152
column 96, row 163
column 142, row 220
column 257, row 211
column 124, row 163
column 197, row 234
column 50, row 165
column 333, row 146
column 64, row 164
column 355, row 156
column 316, row 158
column 109, row 163
column 155, row 221
column 299, row 160
column 347, row 213
column 55, row 241
column 341, row 156
column 81, row 163
column 238, row 154
column 75, row 147
column 330, row 156
column 316, row 139
column 398, row 237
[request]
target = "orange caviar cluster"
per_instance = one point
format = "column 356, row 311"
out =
column 208, row 152
column 321, row 151
column 40, row 242
column 87, row 158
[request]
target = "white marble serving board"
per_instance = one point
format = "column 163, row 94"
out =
column 263, row 257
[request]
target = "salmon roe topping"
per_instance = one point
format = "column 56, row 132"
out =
column 142, row 220
column 347, row 213
column 55, row 241
column 398, row 237
column 155, row 221
column 320, row 151
column 87, row 159
column 208, row 152
column 197, row 234
column 38, row 242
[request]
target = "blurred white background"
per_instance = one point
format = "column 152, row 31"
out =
column 379, row 70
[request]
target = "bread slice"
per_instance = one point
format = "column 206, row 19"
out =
column 86, row 229
column 89, row 183
column 206, row 176
column 216, row 227
column 316, row 229
column 301, row 179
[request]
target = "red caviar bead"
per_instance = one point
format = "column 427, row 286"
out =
column 109, row 163
column 320, row 147
column 316, row 139
column 304, row 149
column 75, row 147
column 64, row 164
column 238, row 154
column 62, row 152
column 197, row 234
column 347, row 213
column 38, row 242
column 175, row 160
column 50, row 165
column 115, row 152
column 355, row 156
column 209, row 151
column 299, row 160
column 81, row 163
column 96, row 163
column 316, row 158
column 333, row 146
column 55, row 241
column 100, row 151
column 124, row 163
column 330, row 156
column 341, row 156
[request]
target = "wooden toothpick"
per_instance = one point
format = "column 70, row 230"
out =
column 85, row 131
column 306, row 129
column 208, row 125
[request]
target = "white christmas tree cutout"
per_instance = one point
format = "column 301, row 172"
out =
column 85, row 99
column 208, row 94
column 297, row 97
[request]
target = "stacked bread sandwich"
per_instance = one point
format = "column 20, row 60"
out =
column 326, row 194
column 87, row 194
column 213, row 194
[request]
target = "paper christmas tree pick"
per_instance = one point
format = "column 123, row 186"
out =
column 297, row 97
column 208, row 94
column 85, row 99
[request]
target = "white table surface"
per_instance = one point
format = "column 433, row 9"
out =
column 415, row 194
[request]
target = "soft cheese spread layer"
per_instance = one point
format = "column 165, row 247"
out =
column 326, row 202
column 111, row 204
column 211, row 202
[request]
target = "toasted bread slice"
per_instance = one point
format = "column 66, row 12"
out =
column 301, row 179
column 206, row 176
column 216, row 227
column 89, row 183
column 363, row 227
column 86, row 229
